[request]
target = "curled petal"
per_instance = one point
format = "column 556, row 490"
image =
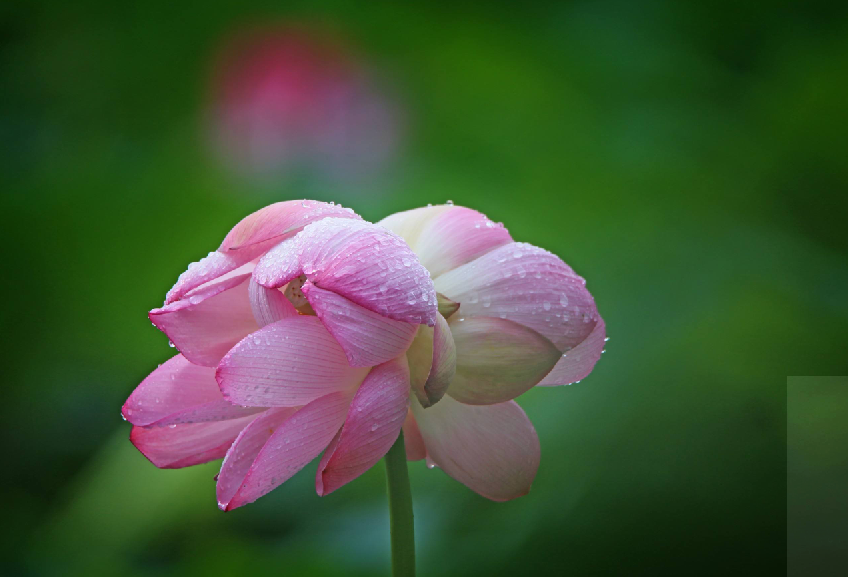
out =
column 432, row 362
column 209, row 320
column 497, row 360
column 446, row 236
column 286, row 364
column 177, row 446
column 527, row 285
column 290, row 445
column 577, row 363
column 373, row 422
column 268, row 305
column 360, row 261
column 492, row 449
column 368, row 338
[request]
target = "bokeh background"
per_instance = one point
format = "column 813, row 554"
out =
column 688, row 160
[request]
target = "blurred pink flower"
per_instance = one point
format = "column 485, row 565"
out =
column 310, row 329
column 286, row 99
column 524, row 318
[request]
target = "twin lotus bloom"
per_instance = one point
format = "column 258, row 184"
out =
column 311, row 330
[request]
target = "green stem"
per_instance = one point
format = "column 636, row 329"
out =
column 400, row 511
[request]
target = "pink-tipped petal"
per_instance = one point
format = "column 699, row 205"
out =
column 294, row 443
column 365, row 263
column 209, row 268
column 176, row 446
column 412, row 441
column 445, row 237
column 208, row 321
column 497, row 360
column 368, row 338
column 432, row 362
column 279, row 221
column 268, row 305
column 244, row 450
column 492, row 449
column 180, row 392
column 373, row 422
column 286, row 364
column 174, row 386
column 579, row 361
column 527, row 285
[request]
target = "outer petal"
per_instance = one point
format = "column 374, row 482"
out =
column 268, row 305
column 372, row 425
column 286, row 364
column 363, row 262
column 497, row 360
column 293, row 443
column 576, row 365
column 412, row 441
column 491, row 449
column 528, row 285
column 177, row 446
column 445, row 237
column 208, row 321
column 251, row 237
column 368, row 338
column 180, row 392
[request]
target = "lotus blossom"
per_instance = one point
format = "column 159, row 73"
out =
column 311, row 330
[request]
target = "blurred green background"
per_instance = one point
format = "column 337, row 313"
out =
column 689, row 161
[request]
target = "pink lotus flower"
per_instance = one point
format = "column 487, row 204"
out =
column 311, row 330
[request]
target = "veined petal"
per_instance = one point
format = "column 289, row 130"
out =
column 180, row 392
column 177, row 446
column 209, row 320
column 373, row 422
column 368, row 338
column 292, row 444
column 268, row 305
column 280, row 220
column 445, row 237
column 251, row 237
column 360, row 261
column 527, row 285
column 432, row 362
column 412, row 441
column 286, row 364
column 497, row 360
column 577, row 363
column 492, row 449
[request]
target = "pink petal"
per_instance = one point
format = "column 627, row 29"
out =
column 245, row 449
column 208, row 321
column 412, row 441
column 363, row 262
column 432, row 362
column 368, row 338
column 372, row 425
column 577, row 363
column 180, row 392
column 445, row 237
column 176, row 446
column 251, row 237
column 286, row 364
column 527, row 285
column 497, row 360
column 492, row 449
column 278, row 221
column 295, row 442
column 268, row 305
